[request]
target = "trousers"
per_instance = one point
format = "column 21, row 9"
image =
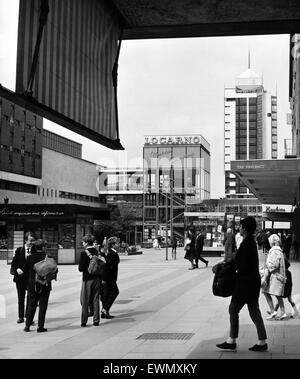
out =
column 235, row 307
column 21, row 290
column 90, row 292
column 109, row 293
column 34, row 299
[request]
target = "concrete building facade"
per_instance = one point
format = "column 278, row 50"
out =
column 250, row 127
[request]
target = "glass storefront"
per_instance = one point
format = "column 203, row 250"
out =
column 176, row 177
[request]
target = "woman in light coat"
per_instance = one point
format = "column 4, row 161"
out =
column 274, row 277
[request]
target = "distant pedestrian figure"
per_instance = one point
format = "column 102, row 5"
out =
column 247, row 288
column 238, row 239
column 37, row 293
column 159, row 240
column 263, row 241
column 295, row 247
column 174, row 247
column 273, row 280
column 229, row 245
column 155, row 243
column 90, row 288
column 199, row 249
column 110, row 290
column 287, row 246
column 190, row 248
column 18, row 269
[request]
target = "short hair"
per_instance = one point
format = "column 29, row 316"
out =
column 29, row 234
column 40, row 244
column 249, row 224
column 89, row 239
column 112, row 240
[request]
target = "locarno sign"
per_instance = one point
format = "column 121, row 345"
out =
column 173, row 140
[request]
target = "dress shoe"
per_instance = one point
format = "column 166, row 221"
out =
column 26, row 329
column 20, row 320
column 83, row 325
column 42, row 330
column 192, row 268
column 259, row 347
column 96, row 323
column 227, row 346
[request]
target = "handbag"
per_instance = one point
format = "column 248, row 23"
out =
column 224, row 280
column 46, row 266
column 96, row 265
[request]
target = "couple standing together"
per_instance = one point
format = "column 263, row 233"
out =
column 193, row 249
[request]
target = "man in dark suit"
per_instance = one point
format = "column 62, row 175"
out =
column 37, row 293
column 18, row 269
column 110, row 291
column 199, row 249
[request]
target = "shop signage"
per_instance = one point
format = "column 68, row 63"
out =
column 173, row 140
column 15, row 213
column 277, row 209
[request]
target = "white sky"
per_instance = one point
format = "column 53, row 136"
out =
column 172, row 86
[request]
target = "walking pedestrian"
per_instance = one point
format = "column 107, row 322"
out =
column 90, row 288
column 288, row 291
column 110, row 290
column 273, row 280
column 174, row 247
column 190, row 248
column 247, row 288
column 229, row 245
column 37, row 293
column 287, row 246
column 199, row 249
column 18, row 269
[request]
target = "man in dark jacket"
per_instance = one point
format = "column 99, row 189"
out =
column 18, row 268
column 199, row 249
column 90, row 289
column 110, row 290
column 37, row 293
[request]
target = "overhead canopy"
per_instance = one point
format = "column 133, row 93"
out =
column 68, row 50
column 271, row 181
column 196, row 18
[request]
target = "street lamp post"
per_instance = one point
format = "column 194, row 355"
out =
column 167, row 203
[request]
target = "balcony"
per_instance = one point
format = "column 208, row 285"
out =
column 289, row 149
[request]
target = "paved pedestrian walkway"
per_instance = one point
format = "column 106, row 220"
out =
column 164, row 311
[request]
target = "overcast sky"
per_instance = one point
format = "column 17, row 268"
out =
column 172, row 86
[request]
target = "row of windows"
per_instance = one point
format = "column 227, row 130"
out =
column 19, row 151
column 62, row 145
column 76, row 196
column 17, row 187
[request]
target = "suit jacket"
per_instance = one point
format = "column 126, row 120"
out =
column 19, row 261
column 111, row 267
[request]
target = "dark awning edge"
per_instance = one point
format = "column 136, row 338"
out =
column 220, row 29
column 34, row 106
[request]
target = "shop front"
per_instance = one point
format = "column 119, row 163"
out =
column 62, row 226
